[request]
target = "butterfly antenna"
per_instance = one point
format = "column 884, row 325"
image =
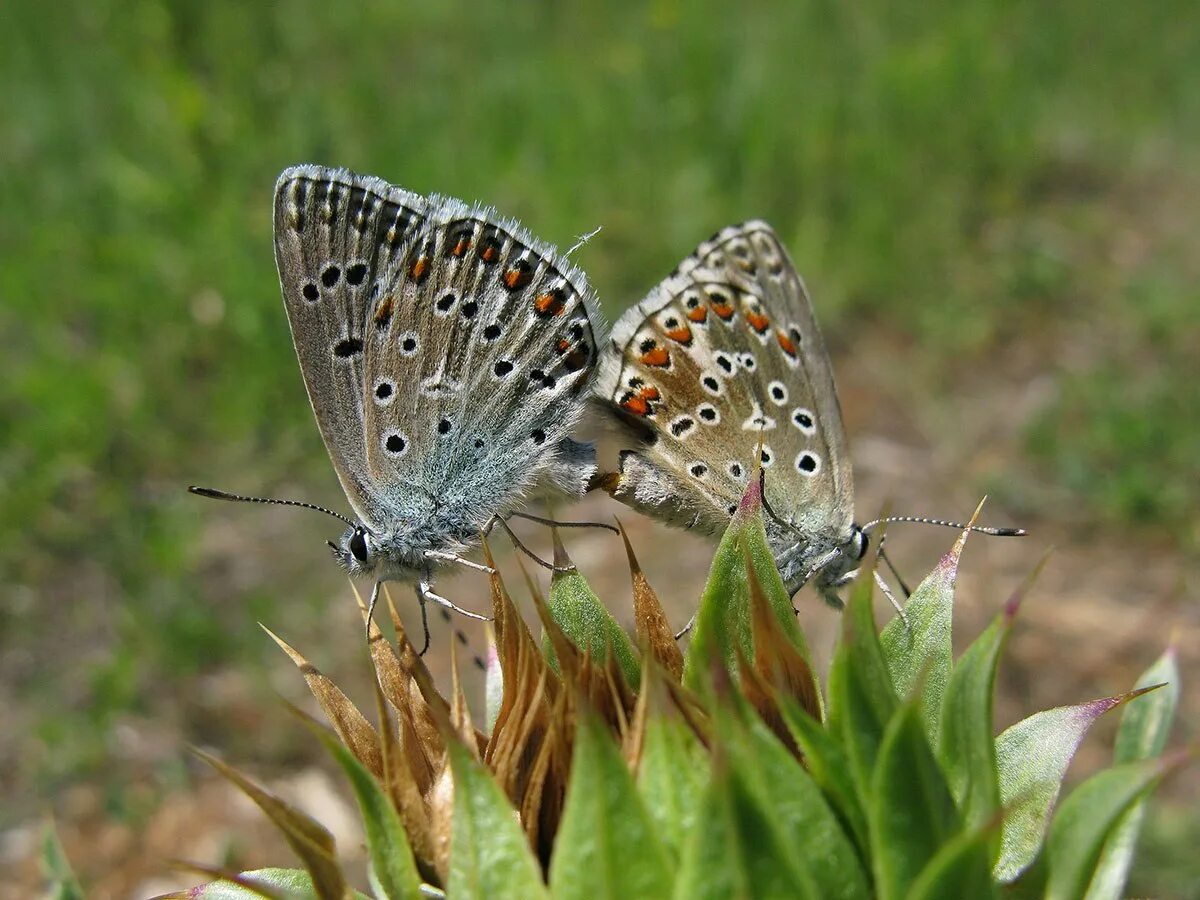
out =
column 921, row 520
column 224, row 495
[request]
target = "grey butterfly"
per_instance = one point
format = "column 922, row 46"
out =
column 722, row 354
column 447, row 355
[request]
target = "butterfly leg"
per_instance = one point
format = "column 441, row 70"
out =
column 424, row 592
column 555, row 523
column 688, row 627
column 424, row 619
column 512, row 536
column 371, row 607
column 450, row 557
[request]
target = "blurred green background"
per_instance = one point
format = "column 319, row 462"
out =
column 1000, row 184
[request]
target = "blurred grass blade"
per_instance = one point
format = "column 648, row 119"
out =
column 1145, row 726
column 489, row 854
column 1031, row 758
column 61, row 883
column 723, row 621
column 920, row 651
column 822, row 852
column 606, row 847
column 961, row 868
column 587, row 621
column 911, row 812
column 391, row 858
column 307, row 837
column 1087, row 818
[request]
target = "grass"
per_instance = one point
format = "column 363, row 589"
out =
column 951, row 171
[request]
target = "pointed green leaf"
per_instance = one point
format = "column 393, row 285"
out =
column 827, row 763
column 61, row 883
column 671, row 777
column 588, row 623
column 1031, row 758
column 735, row 850
column 1145, row 726
column 918, row 652
column 723, row 621
column 862, row 699
column 489, row 854
column 822, row 852
column 392, row 864
column 968, row 749
column 910, row 810
column 961, row 868
column 1087, row 818
column 605, row 828
column 282, row 884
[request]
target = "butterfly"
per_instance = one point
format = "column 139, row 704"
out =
column 447, row 354
column 725, row 353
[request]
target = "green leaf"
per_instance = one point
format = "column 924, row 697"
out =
column 1087, row 819
column 606, row 846
column 723, row 621
column 822, row 853
column 587, row 622
column 1145, row 726
column 489, row 854
column 961, row 868
column 967, row 750
column 862, row 699
column 829, row 767
column 918, row 652
column 671, row 777
column 392, row 864
column 735, row 850
column 61, row 883
column 910, row 810
column 284, row 884
column 1031, row 758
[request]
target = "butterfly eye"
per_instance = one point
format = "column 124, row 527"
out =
column 358, row 545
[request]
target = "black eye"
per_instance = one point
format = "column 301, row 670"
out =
column 358, row 545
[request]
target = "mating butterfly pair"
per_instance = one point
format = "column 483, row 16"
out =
column 449, row 355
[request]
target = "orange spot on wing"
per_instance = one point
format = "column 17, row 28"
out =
column 722, row 309
column 419, row 269
column 489, row 253
column 563, row 346
column 786, row 343
column 657, row 356
column 699, row 314
column 463, row 245
column 639, row 403
column 551, row 303
column 682, row 335
column 383, row 314
column 758, row 321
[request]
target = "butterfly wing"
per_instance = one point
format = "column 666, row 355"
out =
column 420, row 325
column 484, row 345
column 725, row 349
column 339, row 238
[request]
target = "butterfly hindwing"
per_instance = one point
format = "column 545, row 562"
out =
column 724, row 350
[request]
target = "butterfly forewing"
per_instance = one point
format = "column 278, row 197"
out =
column 479, row 352
column 445, row 351
column 724, row 350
